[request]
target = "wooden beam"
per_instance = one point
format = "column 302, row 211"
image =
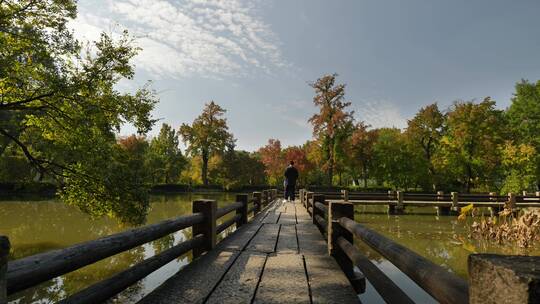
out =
column 35, row 269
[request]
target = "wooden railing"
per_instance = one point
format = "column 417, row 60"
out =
column 30, row 271
column 492, row 278
column 446, row 203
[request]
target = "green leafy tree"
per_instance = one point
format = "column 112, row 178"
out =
column 470, row 146
column 520, row 167
column 59, row 107
column 524, row 118
column 361, row 151
column 393, row 160
column 165, row 158
column 425, row 131
column 332, row 120
column 208, row 135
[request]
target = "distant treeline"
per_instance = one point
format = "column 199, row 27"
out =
column 61, row 112
column 471, row 146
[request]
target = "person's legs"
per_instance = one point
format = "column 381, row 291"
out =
column 292, row 192
column 288, row 192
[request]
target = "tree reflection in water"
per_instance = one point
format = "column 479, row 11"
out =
column 35, row 227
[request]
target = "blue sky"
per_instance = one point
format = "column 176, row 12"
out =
column 256, row 58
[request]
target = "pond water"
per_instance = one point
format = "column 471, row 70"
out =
column 37, row 226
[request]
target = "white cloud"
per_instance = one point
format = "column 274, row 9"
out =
column 380, row 113
column 205, row 38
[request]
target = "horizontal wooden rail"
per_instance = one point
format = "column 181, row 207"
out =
column 228, row 209
column 323, row 208
column 388, row 290
column 35, row 269
column 221, row 227
column 442, row 285
column 109, row 287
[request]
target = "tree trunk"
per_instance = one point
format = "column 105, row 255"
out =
column 205, row 168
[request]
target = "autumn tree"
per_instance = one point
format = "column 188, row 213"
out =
column 470, row 145
column 165, row 157
column 60, row 109
column 301, row 162
column 425, row 131
column 272, row 157
column 208, row 135
column 332, row 118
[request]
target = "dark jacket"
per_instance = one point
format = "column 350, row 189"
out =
column 291, row 175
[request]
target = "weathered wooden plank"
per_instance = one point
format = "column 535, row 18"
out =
column 272, row 217
column 302, row 216
column 283, row 281
column 287, row 219
column 310, row 240
column 240, row 282
column 240, row 238
column 265, row 239
column 327, row 282
column 287, row 241
column 194, row 282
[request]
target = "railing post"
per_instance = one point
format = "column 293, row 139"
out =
column 345, row 194
column 243, row 211
column 309, row 202
column 392, row 209
column 208, row 227
column 337, row 210
column 265, row 197
column 4, row 252
column 511, row 200
column 537, row 193
column 498, row 278
column 442, row 210
column 256, row 202
column 317, row 198
column 400, row 207
column 455, row 202
column 493, row 210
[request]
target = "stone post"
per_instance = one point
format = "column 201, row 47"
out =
column 503, row 279
column 256, row 202
column 208, row 226
column 242, row 211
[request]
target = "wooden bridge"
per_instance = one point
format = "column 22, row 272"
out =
column 281, row 252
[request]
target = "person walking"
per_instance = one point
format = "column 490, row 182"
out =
column 291, row 175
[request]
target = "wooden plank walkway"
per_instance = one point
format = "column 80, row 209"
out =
column 279, row 257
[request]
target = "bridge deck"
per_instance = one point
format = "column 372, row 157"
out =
column 279, row 257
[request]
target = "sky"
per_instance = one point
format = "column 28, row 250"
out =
column 256, row 58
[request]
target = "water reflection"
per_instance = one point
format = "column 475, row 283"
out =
column 441, row 239
column 38, row 226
